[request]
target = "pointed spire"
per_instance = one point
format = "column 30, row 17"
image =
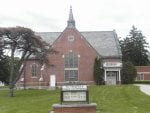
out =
column 71, row 14
column 71, row 22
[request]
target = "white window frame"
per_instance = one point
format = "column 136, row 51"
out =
column 140, row 76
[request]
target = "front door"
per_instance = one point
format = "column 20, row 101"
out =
column 111, row 77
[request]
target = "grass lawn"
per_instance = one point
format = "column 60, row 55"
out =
column 109, row 99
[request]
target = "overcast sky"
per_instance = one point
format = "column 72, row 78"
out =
column 90, row 15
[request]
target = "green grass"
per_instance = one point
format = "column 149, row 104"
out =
column 120, row 99
column 109, row 99
column 28, row 101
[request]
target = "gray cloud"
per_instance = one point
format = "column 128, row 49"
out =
column 40, row 20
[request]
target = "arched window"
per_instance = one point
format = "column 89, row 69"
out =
column 33, row 70
column 71, row 67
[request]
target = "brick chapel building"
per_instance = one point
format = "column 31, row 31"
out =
column 75, row 59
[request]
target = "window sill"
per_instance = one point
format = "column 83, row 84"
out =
column 33, row 77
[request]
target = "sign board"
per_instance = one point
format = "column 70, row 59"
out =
column 74, row 94
column 74, row 87
column 112, row 64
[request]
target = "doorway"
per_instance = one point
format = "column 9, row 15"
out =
column 111, row 77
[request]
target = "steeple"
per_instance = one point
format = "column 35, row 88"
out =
column 71, row 22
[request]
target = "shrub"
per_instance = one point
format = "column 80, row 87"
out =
column 128, row 73
column 98, row 72
column 142, row 82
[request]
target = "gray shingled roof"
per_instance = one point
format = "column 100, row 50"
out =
column 106, row 43
column 49, row 37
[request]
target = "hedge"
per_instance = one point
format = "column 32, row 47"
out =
column 141, row 82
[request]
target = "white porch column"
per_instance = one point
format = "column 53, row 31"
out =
column 119, row 76
column 105, row 76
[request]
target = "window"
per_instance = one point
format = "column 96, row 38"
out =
column 71, row 60
column 140, row 77
column 71, row 67
column 70, row 38
column 71, row 75
column 33, row 69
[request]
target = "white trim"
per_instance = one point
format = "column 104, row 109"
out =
column 119, row 75
column 112, row 64
column 112, row 69
column 34, row 77
column 105, row 76
column 71, row 68
column 140, row 76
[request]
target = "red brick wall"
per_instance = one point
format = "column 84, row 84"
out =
column 79, row 46
column 29, row 80
column 144, row 70
column 88, row 109
column 147, row 76
column 28, row 71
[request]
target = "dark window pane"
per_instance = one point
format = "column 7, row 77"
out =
column 66, row 75
column 33, row 69
column 71, row 62
column 75, row 62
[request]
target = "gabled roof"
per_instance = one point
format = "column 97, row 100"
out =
column 106, row 43
column 49, row 37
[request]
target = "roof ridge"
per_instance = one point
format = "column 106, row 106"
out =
column 97, row 31
column 79, row 31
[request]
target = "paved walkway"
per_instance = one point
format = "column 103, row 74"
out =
column 144, row 88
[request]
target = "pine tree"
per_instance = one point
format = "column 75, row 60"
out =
column 134, row 48
column 4, row 64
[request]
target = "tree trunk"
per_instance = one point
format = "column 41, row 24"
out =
column 11, row 85
column 11, row 91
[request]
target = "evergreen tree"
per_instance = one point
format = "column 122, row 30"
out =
column 134, row 48
column 4, row 69
column 98, row 72
column 128, row 73
column 4, row 64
